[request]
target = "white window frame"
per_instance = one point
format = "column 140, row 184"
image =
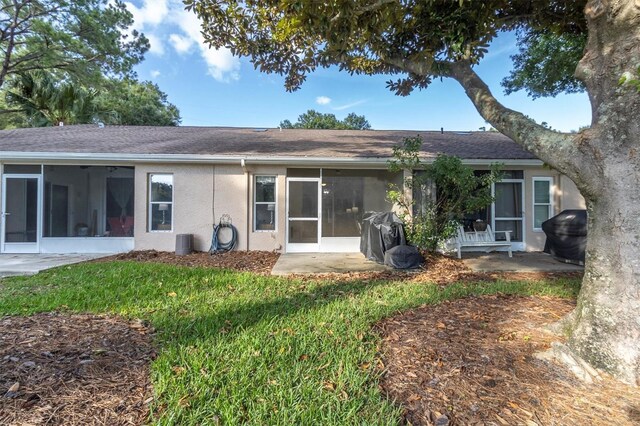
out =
column 550, row 204
column 274, row 202
column 151, row 202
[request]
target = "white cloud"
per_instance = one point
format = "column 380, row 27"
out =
column 323, row 100
column 181, row 44
column 221, row 64
column 155, row 73
column 156, row 44
column 351, row 105
column 151, row 13
column 157, row 18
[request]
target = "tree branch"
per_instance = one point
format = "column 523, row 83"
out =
column 376, row 5
column 10, row 111
column 10, row 46
column 562, row 151
column 570, row 153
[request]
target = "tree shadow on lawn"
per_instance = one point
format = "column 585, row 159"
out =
column 310, row 296
column 186, row 324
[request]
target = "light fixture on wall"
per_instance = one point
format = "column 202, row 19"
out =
column 164, row 208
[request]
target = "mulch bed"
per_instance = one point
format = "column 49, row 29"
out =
column 470, row 362
column 259, row 262
column 58, row 369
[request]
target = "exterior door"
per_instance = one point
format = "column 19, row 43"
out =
column 20, row 227
column 508, row 211
column 303, row 215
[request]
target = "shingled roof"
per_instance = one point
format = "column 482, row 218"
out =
column 221, row 141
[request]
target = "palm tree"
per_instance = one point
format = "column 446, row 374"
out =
column 47, row 102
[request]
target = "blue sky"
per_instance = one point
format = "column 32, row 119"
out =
column 213, row 88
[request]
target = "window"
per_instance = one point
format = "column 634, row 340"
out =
column 264, row 211
column 160, row 202
column 542, row 201
column 512, row 174
column 29, row 169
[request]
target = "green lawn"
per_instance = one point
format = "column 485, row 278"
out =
column 254, row 349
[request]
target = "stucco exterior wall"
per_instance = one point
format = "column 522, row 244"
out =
column 231, row 198
column 202, row 195
column 192, row 207
column 570, row 197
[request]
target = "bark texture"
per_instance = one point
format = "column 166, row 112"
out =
column 605, row 327
column 604, row 162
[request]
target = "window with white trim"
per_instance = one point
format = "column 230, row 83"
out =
column 160, row 202
column 264, row 203
column 542, row 201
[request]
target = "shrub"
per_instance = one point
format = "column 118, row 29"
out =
column 448, row 189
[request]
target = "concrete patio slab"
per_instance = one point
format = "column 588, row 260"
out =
column 30, row 264
column 324, row 263
column 520, row 262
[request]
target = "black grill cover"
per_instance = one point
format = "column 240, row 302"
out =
column 380, row 232
column 567, row 236
column 403, row 257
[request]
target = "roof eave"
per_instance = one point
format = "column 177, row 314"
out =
column 113, row 158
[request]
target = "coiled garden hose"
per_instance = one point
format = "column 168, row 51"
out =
column 218, row 246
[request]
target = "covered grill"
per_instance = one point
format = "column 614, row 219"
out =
column 567, row 236
column 383, row 241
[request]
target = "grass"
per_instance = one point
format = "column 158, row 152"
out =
column 241, row 348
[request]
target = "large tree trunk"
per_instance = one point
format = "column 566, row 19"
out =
column 605, row 327
column 604, row 162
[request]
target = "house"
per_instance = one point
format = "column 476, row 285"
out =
column 94, row 188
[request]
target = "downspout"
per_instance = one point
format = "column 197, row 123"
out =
column 243, row 164
column 213, row 196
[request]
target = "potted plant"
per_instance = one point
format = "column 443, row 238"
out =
column 82, row 230
column 479, row 225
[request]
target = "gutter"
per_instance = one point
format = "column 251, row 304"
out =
column 113, row 158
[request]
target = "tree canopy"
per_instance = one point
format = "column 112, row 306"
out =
column 43, row 102
column 545, row 63
column 39, row 99
column 415, row 38
column 134, row 103
column 84, row 38
column 72, row 62
column 313, row 119
column 415, row 41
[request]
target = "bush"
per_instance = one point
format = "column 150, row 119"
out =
column 450, row 191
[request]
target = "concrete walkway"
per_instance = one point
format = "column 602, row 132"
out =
column 324, row 263
column 30, row 264
column 520, row 262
